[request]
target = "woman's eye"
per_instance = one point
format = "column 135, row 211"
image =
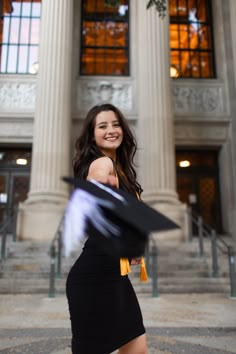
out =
column 102, row 126
column 116, row 125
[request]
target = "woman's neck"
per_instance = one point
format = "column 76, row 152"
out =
column 111, row 155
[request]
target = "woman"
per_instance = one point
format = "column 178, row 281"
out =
column 105, row 314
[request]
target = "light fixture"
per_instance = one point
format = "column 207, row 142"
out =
column 184, row 163
column 21, row 162
column 174, row 73
column 1, row 155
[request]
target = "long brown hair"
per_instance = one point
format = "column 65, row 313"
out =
column 87, row 150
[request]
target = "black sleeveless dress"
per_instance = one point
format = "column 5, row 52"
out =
column 103, row 306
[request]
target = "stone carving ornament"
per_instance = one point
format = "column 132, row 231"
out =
column 197, row 100
column 187, row 100
column 97, row 92
column 17, row 96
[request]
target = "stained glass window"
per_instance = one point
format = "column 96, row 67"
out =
column 105, row 38
column 191, row 39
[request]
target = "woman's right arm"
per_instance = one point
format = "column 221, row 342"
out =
column 102, row 170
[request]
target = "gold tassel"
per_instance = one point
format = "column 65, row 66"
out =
column 143, row 271
column 124, row 266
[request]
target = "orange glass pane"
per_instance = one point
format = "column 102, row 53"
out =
column 205, row 39
column 107, row 62
column 180, row 10
column 206, row 65
column 87, row 61
column 104, row 34
column 185, row 63
column 202, row 11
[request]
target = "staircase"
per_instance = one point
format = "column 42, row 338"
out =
column 180, row 270
column 27, row 269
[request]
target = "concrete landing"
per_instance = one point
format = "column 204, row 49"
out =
column 180, row 323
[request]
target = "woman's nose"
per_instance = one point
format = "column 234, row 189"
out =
column 110, row 129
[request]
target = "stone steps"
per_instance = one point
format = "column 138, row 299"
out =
column 180, row 270
column 165, row 285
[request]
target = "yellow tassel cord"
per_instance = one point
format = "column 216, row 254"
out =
column 143, row 271
column 124, row 266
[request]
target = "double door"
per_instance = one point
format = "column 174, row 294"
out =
column 198, row 185
column 14, row 187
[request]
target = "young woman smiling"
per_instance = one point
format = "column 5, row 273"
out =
column 104, row 310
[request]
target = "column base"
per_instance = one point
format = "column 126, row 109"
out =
column 176, row 211
column 39, row 221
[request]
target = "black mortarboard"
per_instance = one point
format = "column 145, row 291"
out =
column 120, row 221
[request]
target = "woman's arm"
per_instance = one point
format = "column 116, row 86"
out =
column 102, row 170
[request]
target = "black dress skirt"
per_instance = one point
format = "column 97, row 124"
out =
column 103, row 306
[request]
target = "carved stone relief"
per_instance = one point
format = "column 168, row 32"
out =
column 90, row 93
column 17, row 96
column 195, row 100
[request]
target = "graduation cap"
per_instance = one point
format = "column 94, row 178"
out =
column 120, row 221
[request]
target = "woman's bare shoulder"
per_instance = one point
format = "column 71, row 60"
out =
column 103, row 165
column 103, row 162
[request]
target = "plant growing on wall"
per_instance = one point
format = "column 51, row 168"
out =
column 160, row 5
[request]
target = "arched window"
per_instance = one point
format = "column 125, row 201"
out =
column 19, row 37
column 191, row 39
column 104, row 38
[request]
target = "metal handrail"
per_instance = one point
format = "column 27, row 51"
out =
column 55, row 253
column 10, row 220
column 151, row 259
column 216, row 243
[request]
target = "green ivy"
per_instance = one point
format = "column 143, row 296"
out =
column 160, row 6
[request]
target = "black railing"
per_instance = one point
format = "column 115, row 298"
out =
column 151, row 258
column 204, row 231
column 8, row 226
column 55, row 253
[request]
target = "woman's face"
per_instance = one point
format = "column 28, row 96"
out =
column 108, row 133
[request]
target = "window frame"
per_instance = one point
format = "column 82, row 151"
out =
column 19, row 44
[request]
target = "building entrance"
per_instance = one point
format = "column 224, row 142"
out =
column 198, row 184
column 14, row 180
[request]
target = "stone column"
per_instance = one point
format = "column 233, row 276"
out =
column 232, row 11
column 41, row 213
column 156, row 137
